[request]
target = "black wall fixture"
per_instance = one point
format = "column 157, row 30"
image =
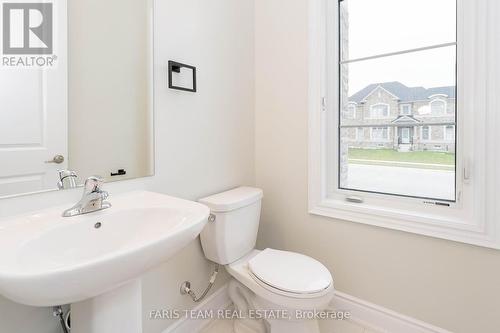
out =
column 120, row 172
column 174, row 68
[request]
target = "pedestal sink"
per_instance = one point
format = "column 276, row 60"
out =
column 48, row 260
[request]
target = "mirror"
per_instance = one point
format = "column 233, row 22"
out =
column 76, row 93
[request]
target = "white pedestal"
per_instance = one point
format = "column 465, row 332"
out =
column 116, row 311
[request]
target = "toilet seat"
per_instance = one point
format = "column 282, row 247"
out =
column 290, row 274
column 274, row 297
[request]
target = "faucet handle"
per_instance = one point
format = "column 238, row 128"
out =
column 93, row 184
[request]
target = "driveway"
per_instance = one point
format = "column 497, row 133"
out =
column 438, row 184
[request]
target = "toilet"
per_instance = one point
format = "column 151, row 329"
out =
column 280, row 288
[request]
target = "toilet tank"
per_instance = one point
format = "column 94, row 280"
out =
column 233, row 233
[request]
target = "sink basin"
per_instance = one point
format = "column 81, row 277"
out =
column 48, row 260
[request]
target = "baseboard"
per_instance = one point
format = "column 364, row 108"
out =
column 217, row 301
column 380, row 319
column 368, row 315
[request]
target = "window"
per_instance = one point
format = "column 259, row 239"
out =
column 360, row 134
column 426, row 133
column 406, row 109
column 380, row 133
column 438, row 107
column 449, row 133
column 356, row 57
column 351, row 111
column 403, row 72
column 379, row 111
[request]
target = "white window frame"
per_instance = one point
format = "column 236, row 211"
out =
column 351, row 111
column 360, row 137
column 473, row 218
column 401, row 109
column 387, row 139
column 382, row 117
column 445, row 137
column 439, row 100
column 422, row 133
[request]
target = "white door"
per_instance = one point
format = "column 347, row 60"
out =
column 33, row 119
column 405, row 135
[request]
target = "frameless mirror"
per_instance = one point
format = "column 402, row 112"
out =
column 75, row 92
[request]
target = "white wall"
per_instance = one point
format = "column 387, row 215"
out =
column 204, row 141
column 109, row 65
column 451, row 285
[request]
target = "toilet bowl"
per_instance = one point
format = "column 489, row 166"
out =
column 277, row 291
column 285, row 300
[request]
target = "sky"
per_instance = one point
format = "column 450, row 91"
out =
column 381, row 26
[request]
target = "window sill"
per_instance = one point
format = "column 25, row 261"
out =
column 396, row 220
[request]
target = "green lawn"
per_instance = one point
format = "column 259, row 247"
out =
column 428, row 157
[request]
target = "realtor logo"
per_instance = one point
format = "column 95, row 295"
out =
column 27, row 28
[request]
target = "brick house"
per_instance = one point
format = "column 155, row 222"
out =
column 393, row 116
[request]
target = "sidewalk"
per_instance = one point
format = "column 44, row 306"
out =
column 403, row 164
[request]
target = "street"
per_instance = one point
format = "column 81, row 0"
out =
column 438, row 184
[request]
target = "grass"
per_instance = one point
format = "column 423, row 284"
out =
column 426, row 157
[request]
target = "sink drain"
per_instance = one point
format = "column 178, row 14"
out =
column 98, row 225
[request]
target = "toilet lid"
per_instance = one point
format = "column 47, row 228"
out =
column 290, row 272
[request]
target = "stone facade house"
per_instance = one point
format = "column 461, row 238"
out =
column 393, row 116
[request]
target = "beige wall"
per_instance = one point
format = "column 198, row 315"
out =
column 452, row 285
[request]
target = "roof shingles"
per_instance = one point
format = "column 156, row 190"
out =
column 404, row 93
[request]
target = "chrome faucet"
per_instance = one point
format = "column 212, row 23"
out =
column 93, row 198
column 67, row 179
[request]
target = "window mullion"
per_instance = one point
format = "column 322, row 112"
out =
column 425, row 48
